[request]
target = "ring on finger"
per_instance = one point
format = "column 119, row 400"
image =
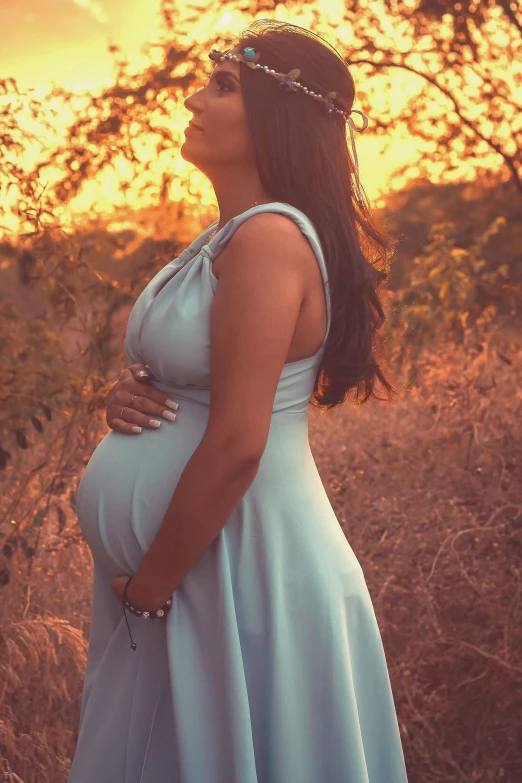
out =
column 121, row 414
column 133, row 396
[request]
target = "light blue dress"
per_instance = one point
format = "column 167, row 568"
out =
column 270, row 667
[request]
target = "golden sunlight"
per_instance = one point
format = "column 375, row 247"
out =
column 69, row 43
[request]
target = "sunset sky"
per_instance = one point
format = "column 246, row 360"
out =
column 65, row 42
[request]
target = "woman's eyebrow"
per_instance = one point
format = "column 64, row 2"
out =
column 225, row 73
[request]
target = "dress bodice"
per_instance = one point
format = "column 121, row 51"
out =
column 169, row 325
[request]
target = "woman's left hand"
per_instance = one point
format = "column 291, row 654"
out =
column 117, row 585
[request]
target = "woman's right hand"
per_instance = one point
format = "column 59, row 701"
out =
column 148, row 406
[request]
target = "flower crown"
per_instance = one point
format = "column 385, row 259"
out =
column 250, row 58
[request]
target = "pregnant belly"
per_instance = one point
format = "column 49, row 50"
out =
column 128, row 484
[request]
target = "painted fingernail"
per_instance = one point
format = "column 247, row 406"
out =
column 169, row 415
column 172, row 404
column 142, row 373
column 135, row 429
column 154, row 423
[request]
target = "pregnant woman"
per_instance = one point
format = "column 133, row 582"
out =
column 233, row 636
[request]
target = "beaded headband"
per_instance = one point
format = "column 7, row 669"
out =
column 250, row 58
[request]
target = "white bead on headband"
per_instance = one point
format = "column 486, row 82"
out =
column 250, row 57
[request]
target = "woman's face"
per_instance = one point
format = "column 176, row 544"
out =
column 223, row 140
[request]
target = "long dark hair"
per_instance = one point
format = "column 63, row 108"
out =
column 303, row 159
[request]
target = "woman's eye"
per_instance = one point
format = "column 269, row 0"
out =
column 222, row 83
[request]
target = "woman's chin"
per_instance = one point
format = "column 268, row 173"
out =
column 183, row 151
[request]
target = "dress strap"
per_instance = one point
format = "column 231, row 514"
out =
column 195, row 246
column 219, row 240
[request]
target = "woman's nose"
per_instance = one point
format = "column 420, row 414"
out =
column 192, row 100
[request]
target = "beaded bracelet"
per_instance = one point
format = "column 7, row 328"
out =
column 139, row 613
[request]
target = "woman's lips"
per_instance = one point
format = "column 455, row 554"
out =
column 192, row 127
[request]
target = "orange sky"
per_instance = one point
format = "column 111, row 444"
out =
column 65, row 41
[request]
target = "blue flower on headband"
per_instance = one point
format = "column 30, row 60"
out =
column 248, row 53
